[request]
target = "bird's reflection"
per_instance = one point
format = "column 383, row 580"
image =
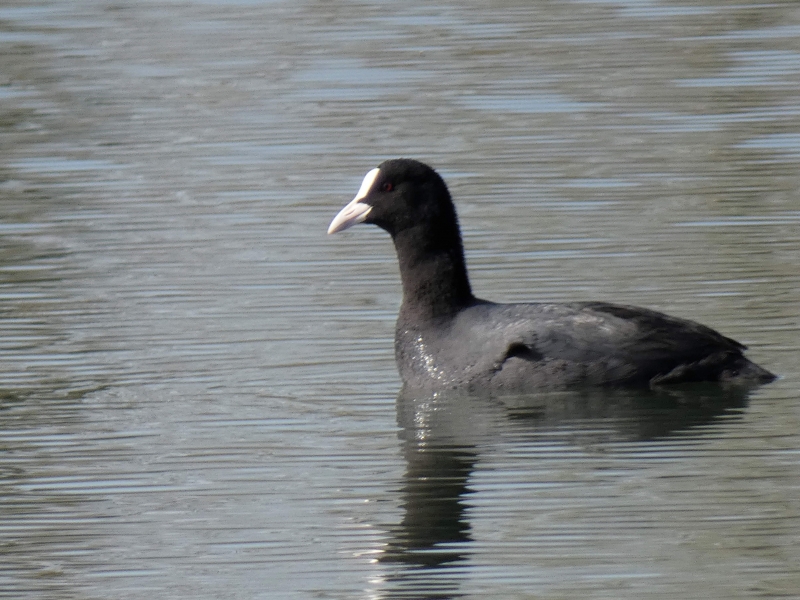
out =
column 433, row 529
column 443, row 436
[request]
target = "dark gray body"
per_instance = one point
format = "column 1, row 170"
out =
column 516, row 347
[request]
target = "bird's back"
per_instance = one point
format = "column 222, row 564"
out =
column 547, row 345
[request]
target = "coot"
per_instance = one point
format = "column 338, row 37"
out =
column 446, row 337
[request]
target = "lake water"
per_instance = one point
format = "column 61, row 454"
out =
column 198, row 396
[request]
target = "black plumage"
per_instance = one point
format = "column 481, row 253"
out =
column 445, row 336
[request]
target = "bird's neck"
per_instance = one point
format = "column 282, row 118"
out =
column 434, row 273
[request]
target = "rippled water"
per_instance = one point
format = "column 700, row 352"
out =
column 198, row 396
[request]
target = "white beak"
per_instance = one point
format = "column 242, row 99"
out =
column 356, row 211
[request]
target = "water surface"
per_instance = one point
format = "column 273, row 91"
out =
column 198, row 396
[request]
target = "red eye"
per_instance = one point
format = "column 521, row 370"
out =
column 387, row 186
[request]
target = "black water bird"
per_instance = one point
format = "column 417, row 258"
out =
column 446, row 337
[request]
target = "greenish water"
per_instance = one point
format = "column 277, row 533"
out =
column 198, row 396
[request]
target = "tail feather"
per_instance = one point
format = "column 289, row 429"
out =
column 747, row 370
column 730, row 367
